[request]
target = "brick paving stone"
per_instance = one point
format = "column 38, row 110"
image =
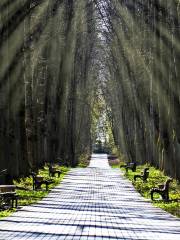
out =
column 95, row 203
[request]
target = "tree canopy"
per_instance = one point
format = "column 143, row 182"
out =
column 70, row 69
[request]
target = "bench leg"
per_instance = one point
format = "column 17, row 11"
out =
column 38, row 186
column 16, row 202
column 165, row 197
column 152, row 192
column 14, row 199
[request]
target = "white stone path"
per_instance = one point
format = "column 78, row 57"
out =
column 95, row 203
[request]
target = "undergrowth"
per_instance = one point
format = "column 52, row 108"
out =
column 84, row 160
column 29, row 196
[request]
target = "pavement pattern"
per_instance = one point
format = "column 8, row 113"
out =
column 95, row 203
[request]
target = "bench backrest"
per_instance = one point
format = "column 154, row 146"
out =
column 166, row 184
column 36, row 178
column 50, row 168
column 146, row 172
column 7, row 188
column 132, row 166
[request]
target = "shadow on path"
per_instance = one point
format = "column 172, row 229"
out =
column 92, row 203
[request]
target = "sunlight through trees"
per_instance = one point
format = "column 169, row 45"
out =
column 63, row 61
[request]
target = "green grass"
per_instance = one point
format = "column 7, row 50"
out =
column 156, row 177
column 27, row 197
column 6, row 213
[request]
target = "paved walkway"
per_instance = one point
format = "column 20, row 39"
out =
column 95, row 203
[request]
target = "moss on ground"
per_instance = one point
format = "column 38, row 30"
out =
column 29, row 196
column 156, row 177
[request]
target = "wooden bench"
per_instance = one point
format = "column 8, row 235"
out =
column 8, row 196
column 38, row 181
column 131, row 166
column 53, row 171
column 112, row 157
column 163, row 190
column 144, row 175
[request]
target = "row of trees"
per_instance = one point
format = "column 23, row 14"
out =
column 52, row 54
column 142, row 89
column 46, row 82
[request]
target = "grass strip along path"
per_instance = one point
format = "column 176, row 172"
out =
column 155, row 178
column 29, row 196
column 92, row 203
